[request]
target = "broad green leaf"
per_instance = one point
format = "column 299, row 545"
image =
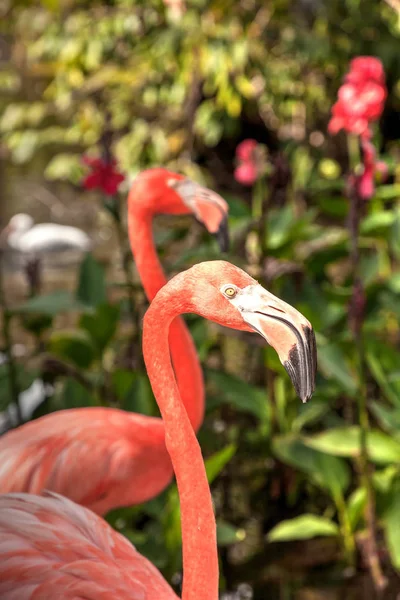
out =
column 355, row 506
column 391, row 524
column 91, row 286
column 227, row 534
column 375, row 365
column 345, row 441
column 24, row 377
column 237, row 208
column 304, row 527
column 388, row 418
column 122, row 380
column 327, row 471
column 309, row 413
column 332, row 363
column 73, row 345
column 280, row 224
column 138, row 397
column 101, row 325
column 387, row 192
column 227, row 389
column 377, row 221
column 75, row 395
column 217, row 462
column 50, row 304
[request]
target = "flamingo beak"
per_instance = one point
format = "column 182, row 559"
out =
column 286, row 330
column 208, row 207
column 222, row 235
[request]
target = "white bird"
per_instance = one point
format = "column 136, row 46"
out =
column 24, row 236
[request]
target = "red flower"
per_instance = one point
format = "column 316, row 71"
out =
column 361, row 98
column 104, row 175
column 365, row 183
column 366, row 67
column 250, row 162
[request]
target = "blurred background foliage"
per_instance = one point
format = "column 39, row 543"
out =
column 181, row 84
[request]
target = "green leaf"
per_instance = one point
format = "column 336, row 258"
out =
column 135, row 393
column 345, row 441
column 25, row 378
column 74, row 395
column 227, row 534
column 101, row 325
column 309, row 413
column 377, row 221
column 388, row 418
column 217, row 462
column 92, row 286
column 391, row 523
column 49, row 304
column 73, row 345
column 355, row 506
column 332, row 362
column 387, row 192
column 327, row 471
column 304, row 527
column 281, row 222
column 376, row 367
column 227, row 389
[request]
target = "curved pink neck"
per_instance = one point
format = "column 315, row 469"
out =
column 183, row 351
column 200, row 557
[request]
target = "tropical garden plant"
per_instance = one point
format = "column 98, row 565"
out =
column 290, row 111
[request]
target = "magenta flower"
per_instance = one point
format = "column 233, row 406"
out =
column 103, row 176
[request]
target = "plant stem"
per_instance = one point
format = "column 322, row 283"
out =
column 357, row 319
column 6, row 331
column 347, row 534
column 260, row 209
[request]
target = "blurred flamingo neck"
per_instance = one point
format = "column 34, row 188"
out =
column 184, row 355
column 200, row 557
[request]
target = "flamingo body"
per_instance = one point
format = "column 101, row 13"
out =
column 106, row 458
column 99, row 457
column 51, row 549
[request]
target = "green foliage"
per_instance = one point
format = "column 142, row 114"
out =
column 302, row 528
column 182, row 91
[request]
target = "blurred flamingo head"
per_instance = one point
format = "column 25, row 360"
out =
column 162, row 191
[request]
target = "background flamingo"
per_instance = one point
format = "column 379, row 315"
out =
column 105, row 458
column 51, row 548
column 24, row 236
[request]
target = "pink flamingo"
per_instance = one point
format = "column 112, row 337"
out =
column 89, row 454
column 51, row 548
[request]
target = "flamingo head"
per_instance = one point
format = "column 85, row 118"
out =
column 160, row 191
column 227, row 295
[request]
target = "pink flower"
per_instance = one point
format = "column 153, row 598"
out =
column 103, row 176
column 250, row 162
column 246, row 173
column 361, row 97
column 245, row 150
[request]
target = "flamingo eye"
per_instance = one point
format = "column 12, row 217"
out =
column 229, row 291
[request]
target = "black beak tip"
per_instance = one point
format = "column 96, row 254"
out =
column 222, row 235
column 302, row 367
